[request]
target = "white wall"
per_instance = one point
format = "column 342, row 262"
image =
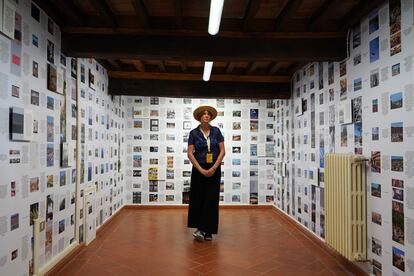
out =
column 24, row 162
column 247, row 183
column 295, row 192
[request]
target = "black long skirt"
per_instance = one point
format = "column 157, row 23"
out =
column 203, row 209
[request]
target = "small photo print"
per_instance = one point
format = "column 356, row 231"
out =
column 35, row 69
column 153, row 197
column 51, row 77
column 396, row 100
column 61, row 226
column 397, row 132
column 376, row 218
column 395, row 69
column 236, row 137
column 357, row 59
column 34, row 184
column 398, row 194
column 34, row 97
column 398, row 183
column 186, row 125
column 236, row 125
column 15, row 91
column 34, row 212
column 236, row 150
column 50, row 51
column 35, row 40
column 50, row 128
column 398, row 222
column 50, row 103
column 375, row 133
column 50, row 155
column 374, row 78
column 398, row 257
column 49, row 181
column 357, row 84
column 138, row 123
column 374, row 50
column 374, row 105
column 14, row 221
column 397, row 163
column 376, row 161
column 344, row 136
column 376, row 246
column 236, row 113
column 376, row 190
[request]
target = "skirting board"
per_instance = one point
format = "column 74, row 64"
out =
column 355, row 269
column 140, row 206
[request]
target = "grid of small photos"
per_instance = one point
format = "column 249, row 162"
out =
column 102, row 144
column 158, row 170
column 362, row 105
column 39, row 133
column 36, row 151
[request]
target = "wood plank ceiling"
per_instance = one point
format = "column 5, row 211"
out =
column 158, row 47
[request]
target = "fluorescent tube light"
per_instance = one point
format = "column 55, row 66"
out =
column 208, row 66
column 216, row 8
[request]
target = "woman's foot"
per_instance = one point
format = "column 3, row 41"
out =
column 199, row 235
column 208, row 237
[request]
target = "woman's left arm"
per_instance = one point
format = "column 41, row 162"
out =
column 219, row 159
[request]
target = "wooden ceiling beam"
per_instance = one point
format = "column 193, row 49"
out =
column 183, row 66
column 251, row 10
column 363, row 8
column 115, row 64
column 139, row 65
column 229, row 67
column 202, row 48
column 251, row 67
column 198, row 89
column 320, row 14
column 286, row 13
column 196, row 77
column 161, row 65
column 141, row 13
column 274, row 67
column 105, row 12
column 199, row 33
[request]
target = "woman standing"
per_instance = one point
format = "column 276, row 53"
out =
column 206, row 152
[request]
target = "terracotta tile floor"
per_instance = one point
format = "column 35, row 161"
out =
column 157, row 242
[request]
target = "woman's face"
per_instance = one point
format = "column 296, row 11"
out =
column 205, row 117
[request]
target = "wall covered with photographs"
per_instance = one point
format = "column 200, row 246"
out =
column 102, row 143
column 362, row 105
column 38, row 132
column 158, row 170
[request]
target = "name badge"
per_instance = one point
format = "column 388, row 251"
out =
column 209, row 158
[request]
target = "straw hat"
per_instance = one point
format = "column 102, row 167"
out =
column 200, row 110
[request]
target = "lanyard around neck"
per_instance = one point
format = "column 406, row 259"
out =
column 207, row 137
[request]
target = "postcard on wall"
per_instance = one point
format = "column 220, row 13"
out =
column 8, row 13
column 345, row 112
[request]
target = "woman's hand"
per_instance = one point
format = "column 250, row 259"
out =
column 210, row 172
column 207, row 173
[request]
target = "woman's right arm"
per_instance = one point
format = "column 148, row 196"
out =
column 193, row 160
